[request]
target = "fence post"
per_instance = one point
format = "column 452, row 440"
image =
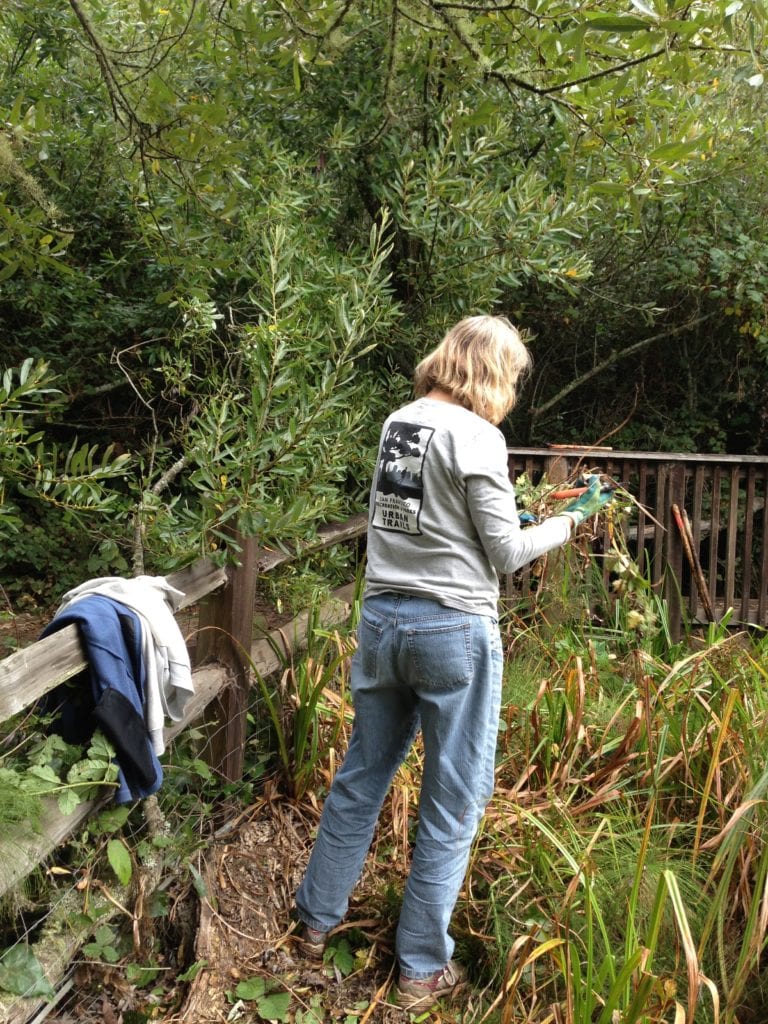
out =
column 673, row 553
column 225, row 635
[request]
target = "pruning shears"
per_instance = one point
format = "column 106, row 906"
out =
column 579, row 488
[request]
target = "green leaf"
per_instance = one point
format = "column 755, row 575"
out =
column 275, row 1006
column 608, row 188
column 617, row 23
column 251, row 988
column 101, row 747
column 202, row 769
column 140, row 975
column 111, row 820
column 678, row 150
column 67, row 800
column 9, row 269
column 198, row 882
column 22, row 974
column 120, row 860
column 343, row 958
column 44, row 772
column 192, row 971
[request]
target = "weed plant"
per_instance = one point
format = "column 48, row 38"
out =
column 309, row 708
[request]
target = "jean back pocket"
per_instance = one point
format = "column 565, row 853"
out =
column 441, row 655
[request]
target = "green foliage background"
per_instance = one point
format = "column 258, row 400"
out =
column 230, row 230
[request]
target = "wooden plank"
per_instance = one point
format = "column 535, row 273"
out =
column 642, row 500
column 198, row 580
column 696, row 517
column 524, row 574
column 714, row 538
column 203, row 577
column 329, row 535
column 673, row 548
column 732, row 529
column 333, row 612
column 632, row 456
column 611, row 470
column 225, row 633
column 625, row 528
column 749, row 511
column 28, row 674
column 660, row 527
column 557, row 467
column 61, row 940
column 21, row 852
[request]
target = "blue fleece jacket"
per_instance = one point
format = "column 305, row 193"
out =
column 109, row 693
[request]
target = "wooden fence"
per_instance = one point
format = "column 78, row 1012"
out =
column 725, row 497
column 722, row 496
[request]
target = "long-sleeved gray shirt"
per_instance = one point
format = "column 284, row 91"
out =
column 443, row 520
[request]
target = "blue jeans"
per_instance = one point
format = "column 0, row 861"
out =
column 417, row 664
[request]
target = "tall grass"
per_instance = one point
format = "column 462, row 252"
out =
column 308, row 708
column 624, row 858
column 621, row 872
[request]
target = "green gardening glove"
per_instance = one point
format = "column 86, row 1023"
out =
column 590, row 502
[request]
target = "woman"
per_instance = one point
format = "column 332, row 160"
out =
column 442, row 524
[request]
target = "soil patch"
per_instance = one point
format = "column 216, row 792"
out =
column 243, row 930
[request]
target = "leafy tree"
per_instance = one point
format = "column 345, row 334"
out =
column 232, row 230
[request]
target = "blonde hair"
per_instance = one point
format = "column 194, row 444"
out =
column 480, row 363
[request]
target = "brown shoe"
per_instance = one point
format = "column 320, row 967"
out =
column 311, row 942
column 420, row 994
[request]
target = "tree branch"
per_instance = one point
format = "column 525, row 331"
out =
column 614, row 357
column 615, row 69
column 441, row 9
column 121, row 108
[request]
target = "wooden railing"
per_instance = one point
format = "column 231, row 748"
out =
column 724, row 497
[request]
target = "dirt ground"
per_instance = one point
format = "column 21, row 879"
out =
column 20, row 630
column 241, row 927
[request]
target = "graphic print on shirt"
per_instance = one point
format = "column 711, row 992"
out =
column 399, row 493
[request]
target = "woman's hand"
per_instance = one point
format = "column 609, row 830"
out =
column 590, row 502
